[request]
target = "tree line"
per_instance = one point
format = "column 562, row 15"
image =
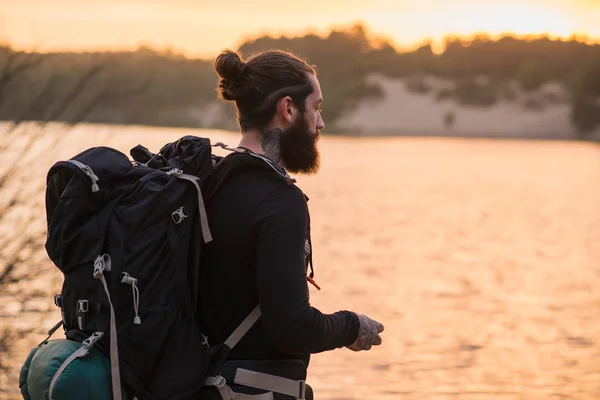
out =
column 171, row 87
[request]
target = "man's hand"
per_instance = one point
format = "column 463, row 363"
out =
column 368, row 334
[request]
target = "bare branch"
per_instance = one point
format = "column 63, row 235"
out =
column 88, row 93
column 108, row 96
column 85, row 79
column 10, row 172
column 10, row 266
column 37, row 110
column 15, row 67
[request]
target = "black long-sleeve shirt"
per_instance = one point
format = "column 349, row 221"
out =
column 260, row 224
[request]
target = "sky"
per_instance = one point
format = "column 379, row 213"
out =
column 202, row 28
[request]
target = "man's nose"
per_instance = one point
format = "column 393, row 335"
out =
column 320, row 123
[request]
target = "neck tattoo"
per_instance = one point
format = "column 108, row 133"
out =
column 271, row 144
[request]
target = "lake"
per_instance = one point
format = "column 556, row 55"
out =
column 481, row 257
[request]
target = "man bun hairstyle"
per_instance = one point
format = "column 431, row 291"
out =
column 233, row 83
column 257, row 84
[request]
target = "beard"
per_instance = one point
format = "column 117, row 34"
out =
column 298, row 148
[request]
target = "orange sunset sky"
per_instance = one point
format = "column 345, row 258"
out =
column 203, row 27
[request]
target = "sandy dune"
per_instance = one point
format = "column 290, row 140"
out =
column 402, row 112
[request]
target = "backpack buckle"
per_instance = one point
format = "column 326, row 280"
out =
column 83, row 306
column 89, row 342
column 175, row 171
column 178, row 215
column 302, row 387
column 101, row 264
column 204, row 341
column 218, row 381
column 58, row 300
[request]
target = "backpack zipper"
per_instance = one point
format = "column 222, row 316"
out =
column 89, row 172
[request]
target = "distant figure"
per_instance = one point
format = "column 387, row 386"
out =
column 449, row 119
column 261, row 248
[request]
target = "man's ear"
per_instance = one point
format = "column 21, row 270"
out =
column 286, row 109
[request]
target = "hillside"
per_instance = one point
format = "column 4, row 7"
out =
column 153, row 87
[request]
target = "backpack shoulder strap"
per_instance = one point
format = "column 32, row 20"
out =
column 265, row 160
column 243, row 328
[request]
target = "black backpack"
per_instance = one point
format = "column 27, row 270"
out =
column 127, row 235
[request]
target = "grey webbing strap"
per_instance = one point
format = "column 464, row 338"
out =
column 270, row 382
column 243, row 328
column 218, row 381
column 203, row 217
column 221, row 384
column 102, row 263
column 114, row 349
column 225, row 392
column 80, row 352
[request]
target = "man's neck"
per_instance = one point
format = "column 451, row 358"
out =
column 267, row 144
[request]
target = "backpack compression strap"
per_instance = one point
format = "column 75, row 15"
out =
column 101, row 264
column 81, row 352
